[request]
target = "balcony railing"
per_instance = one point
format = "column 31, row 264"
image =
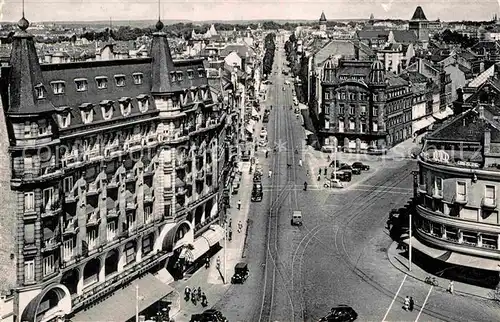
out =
column 113, row 183
column 130, row 177
column 422, row 188
column 437, row 194
column 94, row 219
column 488, row 203
column 112, row 213
column 50, row 244
column 131, row 204
column 93, row 189
column 51, row 209
column 149, row 198
column 71, row 228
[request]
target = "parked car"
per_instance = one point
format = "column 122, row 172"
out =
column 347, row 167
column 340, row 313
column 209, row 316
column 361, row 166
column 338, row 164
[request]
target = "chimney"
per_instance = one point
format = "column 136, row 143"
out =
column 419, row 62
column 481, row 67
column 487, row 140
column 481, row 111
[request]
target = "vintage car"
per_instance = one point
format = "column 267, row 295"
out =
column 240, row 273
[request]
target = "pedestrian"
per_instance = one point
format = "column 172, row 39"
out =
column 450, row 287
column 267, row 153
column 307, row 173
column 218, row 263
column 239, row 204
column 229, row 224
column 230, row 233
column 319, row 177
column 207, row 262
column 199, row 293
column 328, row 158
column 300, row 162
column 406, row 303
column 269, row 174
column 411, row 304
column 187, row 291
column 240, row 226
column 204, row 301
column 326, row 169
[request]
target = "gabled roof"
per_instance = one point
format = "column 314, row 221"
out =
column 344, row 48
column 419, row 14
column 242, row 50
column 404, row 36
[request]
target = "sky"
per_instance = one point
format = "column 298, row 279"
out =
column 199, row 10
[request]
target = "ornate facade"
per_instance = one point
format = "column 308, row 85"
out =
column 363, row 106
column 115, row 166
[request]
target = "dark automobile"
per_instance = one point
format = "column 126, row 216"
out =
column 208, row 316
column 340, row 313
column 240, row 273
column 338, row 164
column 347, row 167
column 360, row 166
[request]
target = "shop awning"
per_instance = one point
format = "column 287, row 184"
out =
column 120, row 306
column 474, row 261
column 249, row 128
column 201, row 246
column 214, row 234
column 422, row 123
column 443, row 114
column 254, row 112
column 429, row 251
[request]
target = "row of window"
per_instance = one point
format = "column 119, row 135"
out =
column 49, row 262
column 363, row 127
column 59, row 86
column 178, row 76
column 457, row 235
column 399, row 92
column 352, row 110
column 397, row 105
column 352, row 96
column 461, row 191
column 107, row 107
column 403, row 118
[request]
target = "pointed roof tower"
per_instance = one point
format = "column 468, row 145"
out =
column 162, row 63
column 372, row 17
column 213, row 32
column 419, row 14
column 323, row 17
column 28, row 91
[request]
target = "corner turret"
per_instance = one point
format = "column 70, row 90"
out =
column 162, row 63
column 29, row 94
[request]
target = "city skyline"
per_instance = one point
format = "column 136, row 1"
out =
column 203, row 10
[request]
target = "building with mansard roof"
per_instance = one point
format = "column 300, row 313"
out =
column 112, row 171
column 360, row 105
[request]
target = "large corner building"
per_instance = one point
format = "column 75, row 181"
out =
column 109, row 168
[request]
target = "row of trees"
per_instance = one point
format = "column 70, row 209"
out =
column 269, row 47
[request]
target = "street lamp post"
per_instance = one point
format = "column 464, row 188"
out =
column 137, row 303
column 335, row 163
column 409, row 244
column 225, row 246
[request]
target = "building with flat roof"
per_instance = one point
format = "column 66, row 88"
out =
column 112, row 169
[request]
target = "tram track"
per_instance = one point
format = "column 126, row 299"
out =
column 272, row 261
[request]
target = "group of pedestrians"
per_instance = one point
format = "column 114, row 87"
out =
column 408, row 304
column 195, row 295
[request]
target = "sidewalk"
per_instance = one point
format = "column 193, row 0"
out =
column 399, row 261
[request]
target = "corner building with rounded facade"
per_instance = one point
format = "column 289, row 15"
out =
column 457, row 219
column 109, row 169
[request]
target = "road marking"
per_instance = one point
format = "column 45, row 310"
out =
column 395, row 297
column 423, row 305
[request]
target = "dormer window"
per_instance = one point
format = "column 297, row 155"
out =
column 81, row 84
column 137, row 78
column 40, row 91
column 107, row 109
column 58, row 87
column 64, row 120
column 190, row 73
column 143, row 103
column 120, row 80
column 125, row 106
column 180, row 76
column 87, row 113
column 204, row 93
column 201, row 72
column 102, row 82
